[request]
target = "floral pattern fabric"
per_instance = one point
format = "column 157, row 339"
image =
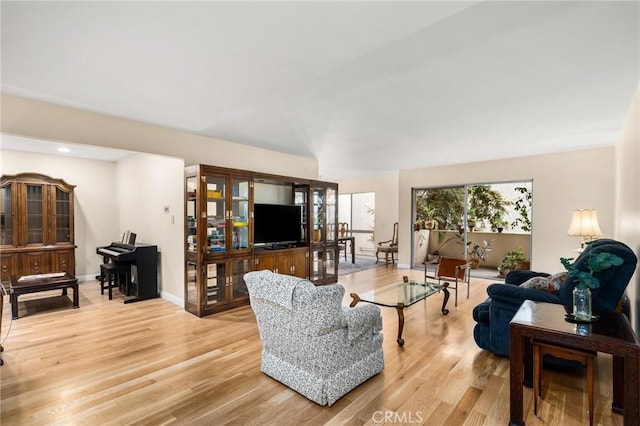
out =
column 317, row 347
column 549, row 284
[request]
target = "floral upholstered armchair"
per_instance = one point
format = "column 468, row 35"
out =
column 310, row 342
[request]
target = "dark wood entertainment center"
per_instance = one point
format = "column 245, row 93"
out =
column 219, row 234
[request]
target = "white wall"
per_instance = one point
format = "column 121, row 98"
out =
column 146, row 184
column 95, row 213
column 561, row 183
column 628, row 196
column 386, row 189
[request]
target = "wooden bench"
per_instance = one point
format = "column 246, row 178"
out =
column 42, row 282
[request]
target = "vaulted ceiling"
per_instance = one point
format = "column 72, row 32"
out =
column 364, row 87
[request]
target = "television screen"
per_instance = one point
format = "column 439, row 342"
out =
column 276, row 224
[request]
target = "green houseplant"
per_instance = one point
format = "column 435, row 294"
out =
column 478, row 252
column 513, row 260
column 586, row 280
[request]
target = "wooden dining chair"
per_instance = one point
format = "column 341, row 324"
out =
column 389, row 247
column 343, row 231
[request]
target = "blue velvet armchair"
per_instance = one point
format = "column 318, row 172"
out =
column 494, row 315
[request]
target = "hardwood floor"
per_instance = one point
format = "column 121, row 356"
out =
column 151, row 362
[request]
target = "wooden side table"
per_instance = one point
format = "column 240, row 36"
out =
column 611, row 334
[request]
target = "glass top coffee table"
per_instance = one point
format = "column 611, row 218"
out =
column 402, row 295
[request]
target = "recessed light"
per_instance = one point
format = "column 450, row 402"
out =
column 64, row 149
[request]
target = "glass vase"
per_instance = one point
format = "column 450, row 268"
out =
column 582, row 304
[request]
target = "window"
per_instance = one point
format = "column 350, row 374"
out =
column 481, row 222
column 358, row 211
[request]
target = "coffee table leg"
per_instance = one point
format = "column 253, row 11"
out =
column 355, row 300
column 400, row 309
column 445, row 290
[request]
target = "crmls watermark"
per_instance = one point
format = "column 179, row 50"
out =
column 404, row 417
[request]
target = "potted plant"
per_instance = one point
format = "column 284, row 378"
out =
column 513, row 260
column 486, row 207
column 478, row 252
column 586, row 281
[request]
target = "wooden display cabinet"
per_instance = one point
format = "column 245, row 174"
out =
column 219, row 233
column 217, row 229
column 324, row 238
column 36, row 225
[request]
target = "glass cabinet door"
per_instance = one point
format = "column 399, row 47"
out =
column 216, row 214
column 331, row 210
column 330, row 265
column 35, row 218
column 215, row 282
column 240, row 213
column 6, row 225
column 191, row 285
column 317, row 265
column 300, row 198
column 317, row 195
column 63, row 231
column 238, row 286
column 191, row 215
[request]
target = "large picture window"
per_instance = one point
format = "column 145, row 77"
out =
column 488, row 224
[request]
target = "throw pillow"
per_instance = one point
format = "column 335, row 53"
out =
column 549, row 284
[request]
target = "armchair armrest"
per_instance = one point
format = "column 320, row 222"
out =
column 362, row 319
column 517, row 277
column 385, row 242
column 514, row 295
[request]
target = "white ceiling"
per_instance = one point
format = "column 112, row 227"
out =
column 364, row 87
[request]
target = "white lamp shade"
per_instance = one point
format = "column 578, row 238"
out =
column 584, row 223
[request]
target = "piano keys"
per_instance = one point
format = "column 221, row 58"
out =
column 143, row 261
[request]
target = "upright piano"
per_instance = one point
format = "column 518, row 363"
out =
column 143, row 261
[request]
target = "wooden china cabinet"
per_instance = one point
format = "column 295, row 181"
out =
column 36, row 225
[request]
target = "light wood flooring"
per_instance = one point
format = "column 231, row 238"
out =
column 151, row 362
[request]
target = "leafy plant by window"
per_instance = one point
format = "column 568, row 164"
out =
column 444, row 205
column 511, row 259
column 479, row 251
column 487, row 206
column 523, row 206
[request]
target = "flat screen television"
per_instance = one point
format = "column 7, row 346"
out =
column 275, row 224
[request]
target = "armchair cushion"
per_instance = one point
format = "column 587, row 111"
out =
column 314, row 346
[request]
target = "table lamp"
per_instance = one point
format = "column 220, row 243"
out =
column 584, row 224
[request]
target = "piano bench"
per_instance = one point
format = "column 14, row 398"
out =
column 115, row 276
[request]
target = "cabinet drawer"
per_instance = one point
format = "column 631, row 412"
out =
column 63, row 261
column 8, row 266
column 36, row 262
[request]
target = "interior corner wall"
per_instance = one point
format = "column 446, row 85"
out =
column 561, row 183
column 150, row 203
column 95, row 214
column 628, row 196
column 386, row 211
